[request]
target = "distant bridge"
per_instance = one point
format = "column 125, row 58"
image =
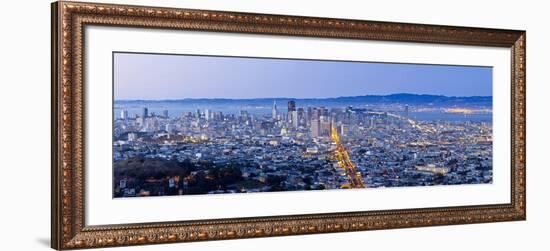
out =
column 414, row 124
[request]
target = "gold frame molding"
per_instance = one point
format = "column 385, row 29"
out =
column 68, row 226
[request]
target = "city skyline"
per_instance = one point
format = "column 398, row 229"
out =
column 234, row 135
column 177, row 77
column 292, row 148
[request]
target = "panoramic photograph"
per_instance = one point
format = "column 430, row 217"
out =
column 203, row 125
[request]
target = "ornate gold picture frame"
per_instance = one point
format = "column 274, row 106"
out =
column 69, row 230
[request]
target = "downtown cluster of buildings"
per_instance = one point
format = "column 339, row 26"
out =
column 294, row 144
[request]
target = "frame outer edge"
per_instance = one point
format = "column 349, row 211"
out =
column 56, row 225
column 519, row 126
column 523, row 39
column 68, row 230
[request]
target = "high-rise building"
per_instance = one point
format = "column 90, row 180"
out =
column 324, row 126
column 243, row 116
column 343, row 129
column 406, row 111
column 218, row 116
column 165, row 113
column 301, row 117
column 294, row 119
column 274, row 111
column 291, row 106
column 315, row 114
column 124, row 114
column 323, row 111
column 144, row 112
column 207, row 114
column 314, row 128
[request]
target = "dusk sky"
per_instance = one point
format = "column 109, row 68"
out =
column 152, row 76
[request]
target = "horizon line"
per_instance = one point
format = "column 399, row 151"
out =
column 275, row 98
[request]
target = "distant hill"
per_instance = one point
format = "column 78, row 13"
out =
column 402, row 98
column 416, row 98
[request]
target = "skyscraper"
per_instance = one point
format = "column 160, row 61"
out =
column 207, row 114
column 324, row 126
column 218, row 116
column 406, row 111
column 315, row 114
column 124, row 114
column 314, row 128
column 274, row 111
column 291, row 106
column 301, row 117
column 323, row 111
column 294, row 119
column 165, row 113
column 144, row 112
